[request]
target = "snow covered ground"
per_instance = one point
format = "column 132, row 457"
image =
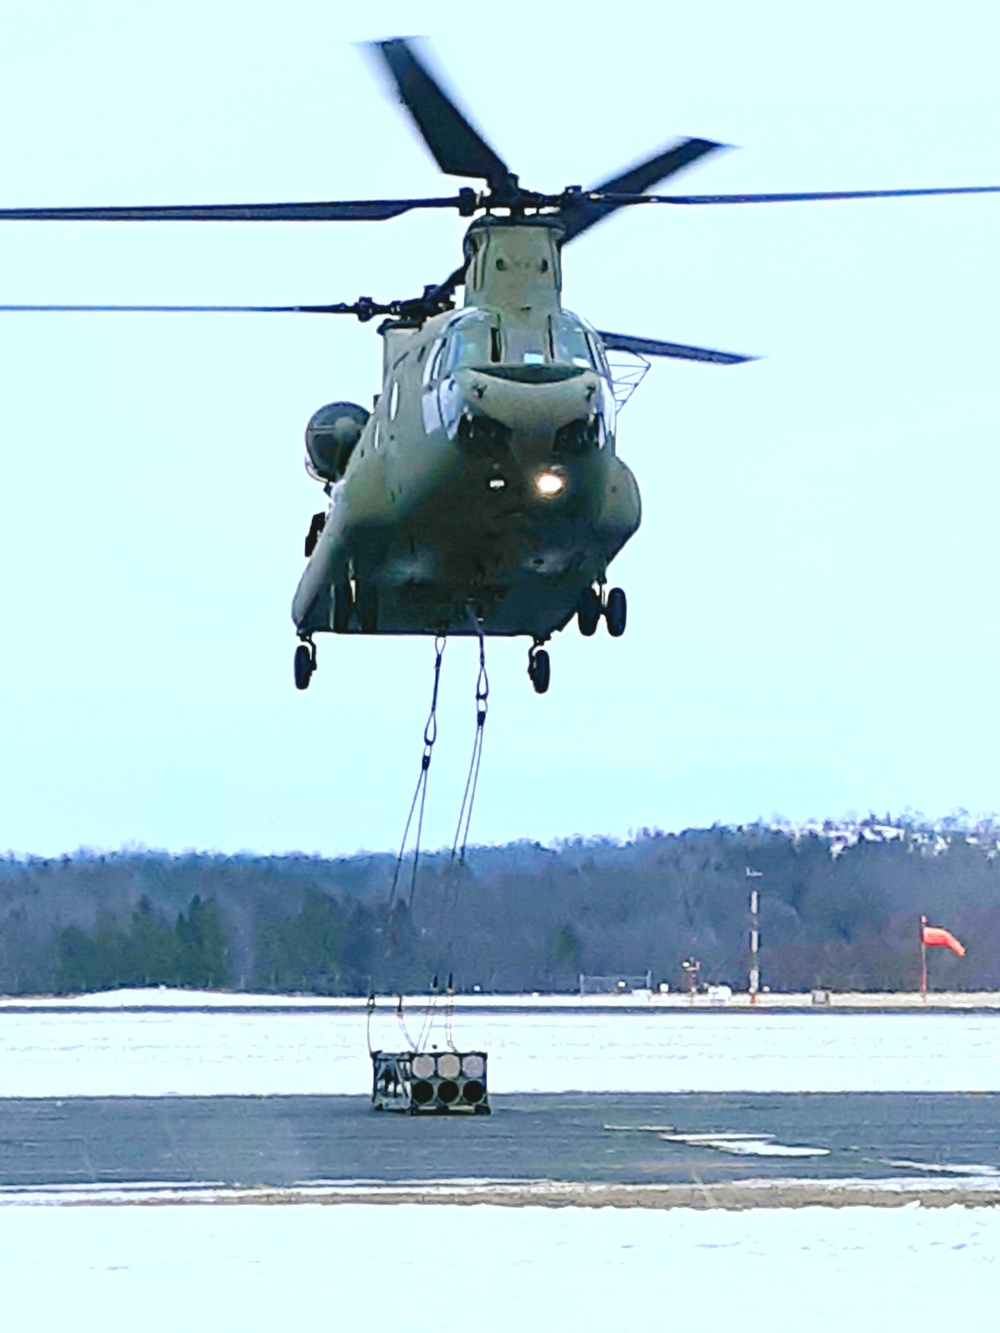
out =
column 108, row 1053
column 486, row 1268
column 264, row 1267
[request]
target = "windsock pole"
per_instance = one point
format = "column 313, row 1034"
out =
column 923, row 959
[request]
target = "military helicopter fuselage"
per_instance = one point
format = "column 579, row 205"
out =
column 483, row 493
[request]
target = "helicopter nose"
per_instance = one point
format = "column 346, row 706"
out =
column 554, row 413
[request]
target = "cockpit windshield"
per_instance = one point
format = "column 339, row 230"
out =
column 481, row 338
column 468, row 341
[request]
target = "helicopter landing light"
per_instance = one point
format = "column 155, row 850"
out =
column 550, row 484
column 497, row 483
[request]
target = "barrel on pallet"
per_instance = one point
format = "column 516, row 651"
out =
column 430, row 1082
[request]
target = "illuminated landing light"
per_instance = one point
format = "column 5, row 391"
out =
column 549, row 484
column 496, row 483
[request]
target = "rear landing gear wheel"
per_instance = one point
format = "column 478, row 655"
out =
column 305, row 665
column 539, row 669
column 615, row 613
column 588, row 612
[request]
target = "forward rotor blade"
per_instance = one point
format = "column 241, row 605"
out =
column 580, row 215
column 792, row 198
column 458, row 148
column 624, row 342
column 349, row 210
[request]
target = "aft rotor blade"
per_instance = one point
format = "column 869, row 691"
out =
column 186, row 309
column 624, row 342
column 790, row 198
column 349, row 210
column 579, row 215
column 458, row 148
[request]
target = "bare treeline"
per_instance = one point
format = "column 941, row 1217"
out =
column 837, row 910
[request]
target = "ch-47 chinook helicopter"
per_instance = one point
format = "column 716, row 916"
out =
column 483, row 495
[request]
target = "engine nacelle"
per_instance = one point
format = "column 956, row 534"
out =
column 331, row 435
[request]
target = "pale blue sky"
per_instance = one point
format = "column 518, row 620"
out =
column 812, row 593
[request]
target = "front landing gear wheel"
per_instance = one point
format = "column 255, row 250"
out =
column 539, row 669
column 615, row 613
column 588, row 612
column 305, row 665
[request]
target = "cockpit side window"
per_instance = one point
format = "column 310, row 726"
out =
column 597, row 352
column 570, row 342
column 433, row 366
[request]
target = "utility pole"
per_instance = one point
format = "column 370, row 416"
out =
column 754, row 935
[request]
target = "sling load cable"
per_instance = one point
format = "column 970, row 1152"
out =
column 457, row 859
column 428, row 1023
column 420, row 793
column 403, row 1028
column 472, row 781
column 449, row 1013
column 371, row 1006
column 465, row 812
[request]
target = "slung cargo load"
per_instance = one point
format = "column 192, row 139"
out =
column 430, row 1082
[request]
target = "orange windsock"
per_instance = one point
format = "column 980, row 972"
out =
column 936, row 935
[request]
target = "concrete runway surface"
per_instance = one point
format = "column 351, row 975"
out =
column 706, row 1140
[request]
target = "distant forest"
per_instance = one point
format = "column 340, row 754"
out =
column 840, row 908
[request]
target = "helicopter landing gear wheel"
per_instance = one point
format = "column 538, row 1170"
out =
column 343, row 607
column 588, row 612
column 305, row 665
column 367, row 608
column 539, row 669
column 615, row 613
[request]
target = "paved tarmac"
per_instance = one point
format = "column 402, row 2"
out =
column 580, row 1137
